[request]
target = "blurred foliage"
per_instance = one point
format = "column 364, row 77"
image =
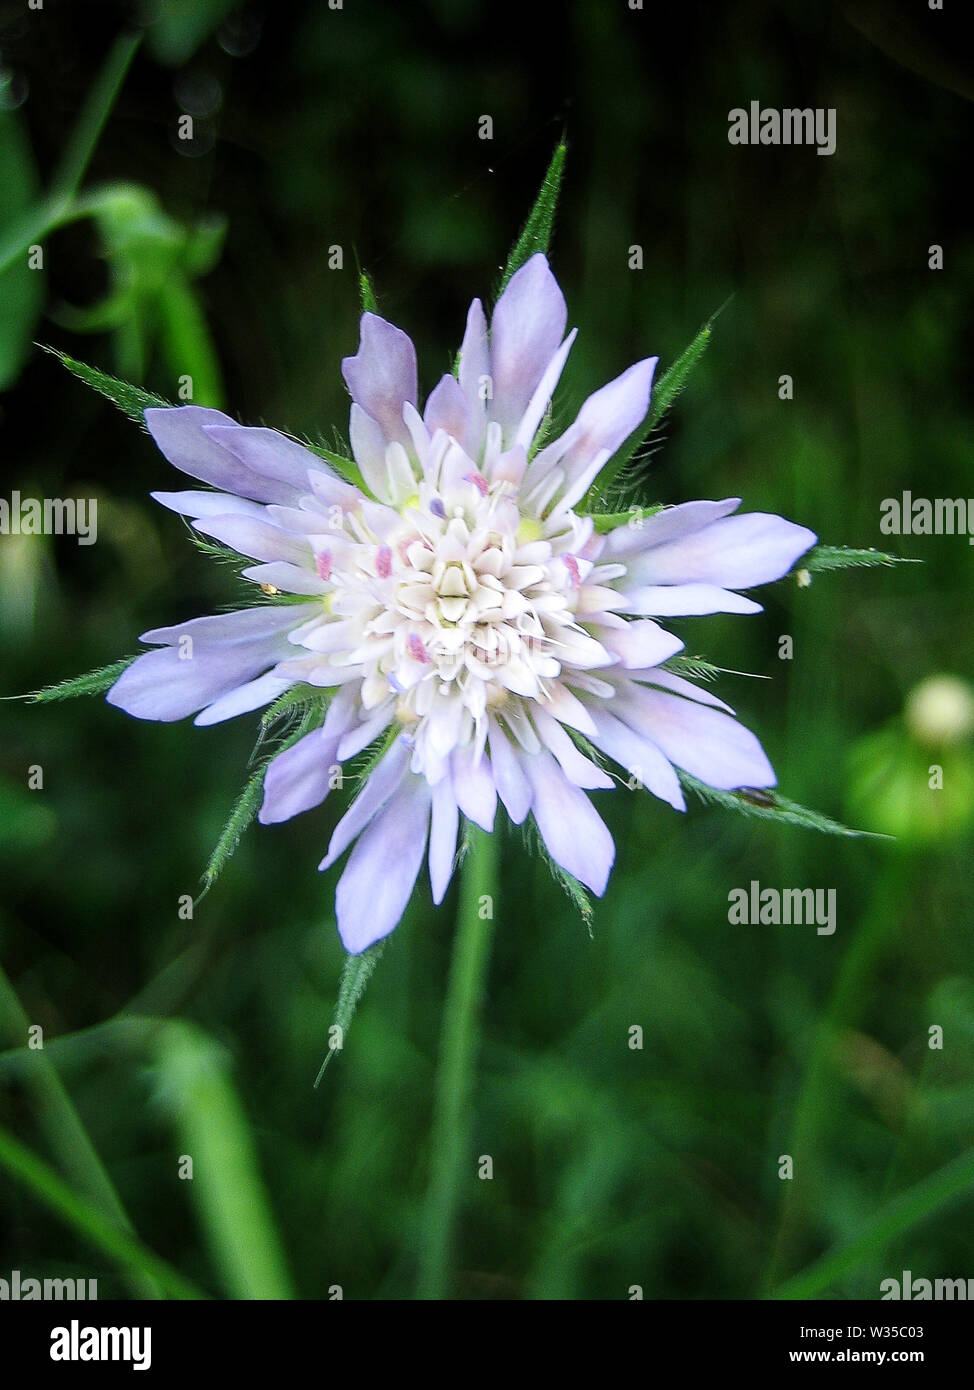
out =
column 614, row 1166
column 21, row 288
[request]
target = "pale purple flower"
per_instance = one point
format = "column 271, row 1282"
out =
column 464, row 609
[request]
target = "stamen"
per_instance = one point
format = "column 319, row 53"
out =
column 417, row 649
column 383, row 562
column 323, row 565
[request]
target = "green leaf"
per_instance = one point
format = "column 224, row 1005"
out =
column 247, row 805
column 287, row 703
column 186, row 342
column 131, row 400
column 370, row 304
column 765, row 804
column 608, row 521
column 374, row 753
column 536, row 234
column 91, row 684
column 693, row 666
column 244, row 810
column 841, row 557
column 344, row 467
column 665, row 392
column 356, row 974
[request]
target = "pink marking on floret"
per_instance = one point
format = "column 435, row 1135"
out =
column 417, row 649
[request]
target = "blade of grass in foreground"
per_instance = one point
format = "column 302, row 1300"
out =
column 227, row 1187
column 126, row 1250
column 66, row 1134
column 926, row 1197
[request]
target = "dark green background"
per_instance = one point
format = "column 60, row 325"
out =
column 612, row 1167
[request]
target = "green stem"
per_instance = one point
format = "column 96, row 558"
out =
column 455, row 1073
column 96, row 110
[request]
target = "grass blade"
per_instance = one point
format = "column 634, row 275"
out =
column 125, row 1249
column 227, row 1186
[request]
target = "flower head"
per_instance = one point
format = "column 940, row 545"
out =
column 459, row 607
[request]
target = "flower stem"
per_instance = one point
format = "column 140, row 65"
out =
column 458, row 1052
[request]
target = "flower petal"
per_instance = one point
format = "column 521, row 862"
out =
column 292, row 579
column 640, row 757
column 575, row 835
column 196, row 504
column 245, row 698
column 382, row 869
column 444, row 824
column 382, row 375
column 736, row 552
column 667, row 525
column 271, row 455
column 260, row 539
column 202, row 661
column 678, row 600
column 448, row 409
column 606, row 419
column 179, row 432
column 473, row 787
column 539, row 402
column 704, row 742
column 511, row 781
column 474, row 361
column 368, row 443
column 579, row 770
column 299, row 778
column 643, row 643
column 526, row 330
column 383, row 781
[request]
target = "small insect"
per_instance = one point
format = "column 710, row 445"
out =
column 757, row 796
column 269, row 589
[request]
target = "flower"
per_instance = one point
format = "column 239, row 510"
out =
column 462, row 608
